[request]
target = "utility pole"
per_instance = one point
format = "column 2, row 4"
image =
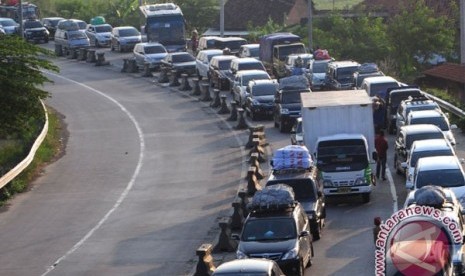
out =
column 20, row 14
column 310, row 24
column 221, row 18
column 462, row 32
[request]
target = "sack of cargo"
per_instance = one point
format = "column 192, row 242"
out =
column 292, row 157
column 321, row 54
column 273, row 197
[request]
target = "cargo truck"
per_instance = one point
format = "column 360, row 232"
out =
column 275, row 48
column 338, row 129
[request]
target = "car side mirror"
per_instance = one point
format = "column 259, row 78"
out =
column 304, row 234
column 235, row 237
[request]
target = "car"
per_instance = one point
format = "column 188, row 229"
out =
column 249, row 50
column 288, row 103
column 99, row 35
column 2, row 31
column 241, row 80
column 279, row 231
column 317, row 73
column 233, row 43
column 435, row 117
column 443, row 171
column 34, row 31
column 68, row 37
column 260, row 98
column 182, row 62
column 151, row 53
column 339, row 75
column 366, row 70
column 202, row 61
column 424, row 148
column 207, row 42
column 50, row 23
column 9, row 25
column 249, row 267
column 411, row 104
column 393, row 100
column 297, row 133
column 242, row 64
column 308, row 191
column 378, row 86
column 289, row 64
column 124, row 38
column 405, row 138
column 219, row 71
column 81, row 23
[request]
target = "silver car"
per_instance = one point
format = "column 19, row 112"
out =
column 99, row 35
column 151, row 53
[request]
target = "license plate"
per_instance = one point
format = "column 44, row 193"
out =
column 344, row 190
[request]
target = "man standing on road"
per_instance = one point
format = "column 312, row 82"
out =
column 381, row 146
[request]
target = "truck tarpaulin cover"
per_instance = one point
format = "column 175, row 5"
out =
column 267, row 42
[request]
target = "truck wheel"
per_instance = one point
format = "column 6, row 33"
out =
column 366, row 197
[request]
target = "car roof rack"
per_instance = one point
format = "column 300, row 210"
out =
column 279, row 197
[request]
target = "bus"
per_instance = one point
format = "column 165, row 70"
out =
column 165, row 24
column 30, row 11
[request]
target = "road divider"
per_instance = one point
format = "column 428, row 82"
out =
column 216, row 99
column 225, row 243
column 224, row 106
column 196, row 85
column 205, row 93
column 185, row 85
column 205, row 266
column 233, row 116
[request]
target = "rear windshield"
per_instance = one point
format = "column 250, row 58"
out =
column 154, row 50
column 429, row 153
column 224, row 64
column 32, row 24
column 264, row 89
column 422, row 136
column 319, row 67
column 437, row 121
column 182, row 58
column 247, row 78
column 102, row 29
column 269, row 229
column 128, row 32
column 443, row 178
column 380, row 89
column 251, row 66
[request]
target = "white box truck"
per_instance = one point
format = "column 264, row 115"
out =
column 338, row 130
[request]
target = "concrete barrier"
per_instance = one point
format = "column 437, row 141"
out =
column 253, row 185
column 205, row 95
column 257, row 148
column 82, row 54
column 91, row 56
column 237, row 218
column 225, row 243
column 233, row 116
column 242, row 194
column 71, row 54
column 253, row 161
column 242, row 124
column 58, row 50
column 101, row 59
column 163, row 76
column 205, row 266
column 147, row 72
column 185, row 86
column 196, row 91
column 216, row 99
column 255, row 129
column 224, row 106
column 174, row 79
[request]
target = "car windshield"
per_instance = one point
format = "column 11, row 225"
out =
column 54, row 22
column 422, row 136
column 103, row 29
column 319, row 67
column 128, row 32
column 380, row 89
column 254, row 52
column 247, row 78
column 32, row 24
column 224, row 64
column 268, row 229
column 7, row 23
column 154, row 49
column 77, row 35
column 443, row 178
column 428, row 153
column 264, row 90
column 290, row 97
column 346, row 74
column 233, row 44
column 342, row 155
column 437, row 121
column 251, row 66
column 182, row 58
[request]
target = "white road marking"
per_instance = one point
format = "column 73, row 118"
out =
column 128, row 186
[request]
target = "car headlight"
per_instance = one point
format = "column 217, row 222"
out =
column 241, row 255
column 360, row 181
column 284, row 111
column 327, row 183
column 291, row 254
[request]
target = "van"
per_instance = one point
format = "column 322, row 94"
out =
column 69, row 37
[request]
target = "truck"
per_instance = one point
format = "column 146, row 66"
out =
column 275, row 48
column 338, row 129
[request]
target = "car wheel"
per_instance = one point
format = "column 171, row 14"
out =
column 366, row 197
column 282, row 129
column 317, row 233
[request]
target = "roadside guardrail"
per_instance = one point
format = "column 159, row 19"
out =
column 447, row 106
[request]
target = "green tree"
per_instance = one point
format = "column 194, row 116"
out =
column 419, row 32
column 20, row 80
column 199, row 14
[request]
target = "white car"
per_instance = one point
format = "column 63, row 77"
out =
column 202, row 61
column 434, row 117
column 421, row 149
column 99, row 35
column 151, row 53
column 444, row 171
column 241, row 80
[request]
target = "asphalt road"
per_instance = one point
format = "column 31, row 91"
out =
column 147, row 173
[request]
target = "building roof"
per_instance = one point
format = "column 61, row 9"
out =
column 448, row 71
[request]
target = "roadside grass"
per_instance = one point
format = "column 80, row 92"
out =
column 46, row 153
column 335, row 4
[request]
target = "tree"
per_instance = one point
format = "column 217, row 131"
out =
column 20, row 80
column 199, row 14
column 418, row 32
